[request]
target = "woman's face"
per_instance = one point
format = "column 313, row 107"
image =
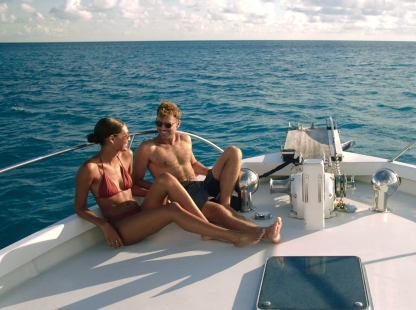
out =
column 121, row 139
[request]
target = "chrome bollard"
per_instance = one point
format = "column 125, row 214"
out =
column 247, row 184
column 385, row 183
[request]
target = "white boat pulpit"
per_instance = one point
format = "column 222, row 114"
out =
column 316, row 185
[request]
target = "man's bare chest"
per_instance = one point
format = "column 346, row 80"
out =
column 171, row 156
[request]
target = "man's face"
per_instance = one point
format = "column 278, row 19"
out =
column 166, row 126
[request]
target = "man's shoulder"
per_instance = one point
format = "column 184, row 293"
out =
column 183, row 137
column 147, row 143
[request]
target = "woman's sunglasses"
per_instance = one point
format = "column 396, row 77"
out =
column 167, row 125
column 125, row 135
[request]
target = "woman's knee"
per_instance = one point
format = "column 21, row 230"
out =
column 214, row 211
column 174, row 208
column 166, row 180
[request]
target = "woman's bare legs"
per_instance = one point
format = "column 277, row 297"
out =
column 136, row 227
column 167, row 185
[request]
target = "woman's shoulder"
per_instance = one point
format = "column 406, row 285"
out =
column 127, row 154
column 90, row 165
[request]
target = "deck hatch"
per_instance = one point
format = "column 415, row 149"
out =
column 313, row 282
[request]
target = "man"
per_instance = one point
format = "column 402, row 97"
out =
column 172, row 152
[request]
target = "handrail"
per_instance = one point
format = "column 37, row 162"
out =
column 44, row 157
column 402, row 151
column 133, row 135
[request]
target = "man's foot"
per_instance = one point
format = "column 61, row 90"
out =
column 248, row 238
column 273, row 231
column 206, row 238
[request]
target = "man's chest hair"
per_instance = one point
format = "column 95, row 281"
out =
column 168, row 155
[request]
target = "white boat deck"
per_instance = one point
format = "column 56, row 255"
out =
column 176, row 270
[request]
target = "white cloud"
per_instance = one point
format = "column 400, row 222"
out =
column 211, row 19
column 369, row 16
column 131, row 9
column 71, row 10
column 102, row 5
column 3, row 17
column 3, row 8
column 40, row 16
column 27, row 8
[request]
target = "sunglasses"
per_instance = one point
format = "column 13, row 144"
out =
column 167, row 125
column 126, row 135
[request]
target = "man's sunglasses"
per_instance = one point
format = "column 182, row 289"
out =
column 167, row 125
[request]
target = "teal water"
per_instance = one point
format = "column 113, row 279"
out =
column 230, row 92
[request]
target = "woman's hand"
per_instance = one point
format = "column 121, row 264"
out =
column 112, row 237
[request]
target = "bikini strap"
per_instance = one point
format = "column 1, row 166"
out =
column 102, row 164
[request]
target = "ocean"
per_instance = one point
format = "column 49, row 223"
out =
column 243, row 93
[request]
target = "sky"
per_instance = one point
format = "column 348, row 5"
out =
column 173, row 20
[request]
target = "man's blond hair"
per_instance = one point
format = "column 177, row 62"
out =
column 167, row 108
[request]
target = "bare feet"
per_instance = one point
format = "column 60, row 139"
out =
column 206, row 238
column 248, row 238
column 273, row 231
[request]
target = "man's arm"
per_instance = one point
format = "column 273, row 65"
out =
column 198, row 167
column 141, row 161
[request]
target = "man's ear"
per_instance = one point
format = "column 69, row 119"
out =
column 179, row 123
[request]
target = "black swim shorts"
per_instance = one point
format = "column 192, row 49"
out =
column 200, row 191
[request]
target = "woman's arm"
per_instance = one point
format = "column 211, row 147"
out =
column 84, row 180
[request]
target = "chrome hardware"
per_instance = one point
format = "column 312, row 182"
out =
column 402, row 151
column 278, row 186
column 346, row 145
column 320, row 188
column 266, row 304
column 385, row 183
column 305, row 188
column 247, row 184
column 262, row 216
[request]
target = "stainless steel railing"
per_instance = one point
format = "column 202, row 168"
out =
column 132, row 136
column 402, row 151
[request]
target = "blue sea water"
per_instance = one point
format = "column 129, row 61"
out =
column 230, row 92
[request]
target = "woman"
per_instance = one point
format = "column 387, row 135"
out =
column 108, row 176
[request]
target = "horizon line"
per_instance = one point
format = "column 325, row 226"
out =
column 237, row 40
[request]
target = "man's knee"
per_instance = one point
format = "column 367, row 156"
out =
column 234, row 152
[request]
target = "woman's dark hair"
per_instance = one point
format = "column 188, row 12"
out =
column 104, row 128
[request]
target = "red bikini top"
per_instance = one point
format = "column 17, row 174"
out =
column 107, row 188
